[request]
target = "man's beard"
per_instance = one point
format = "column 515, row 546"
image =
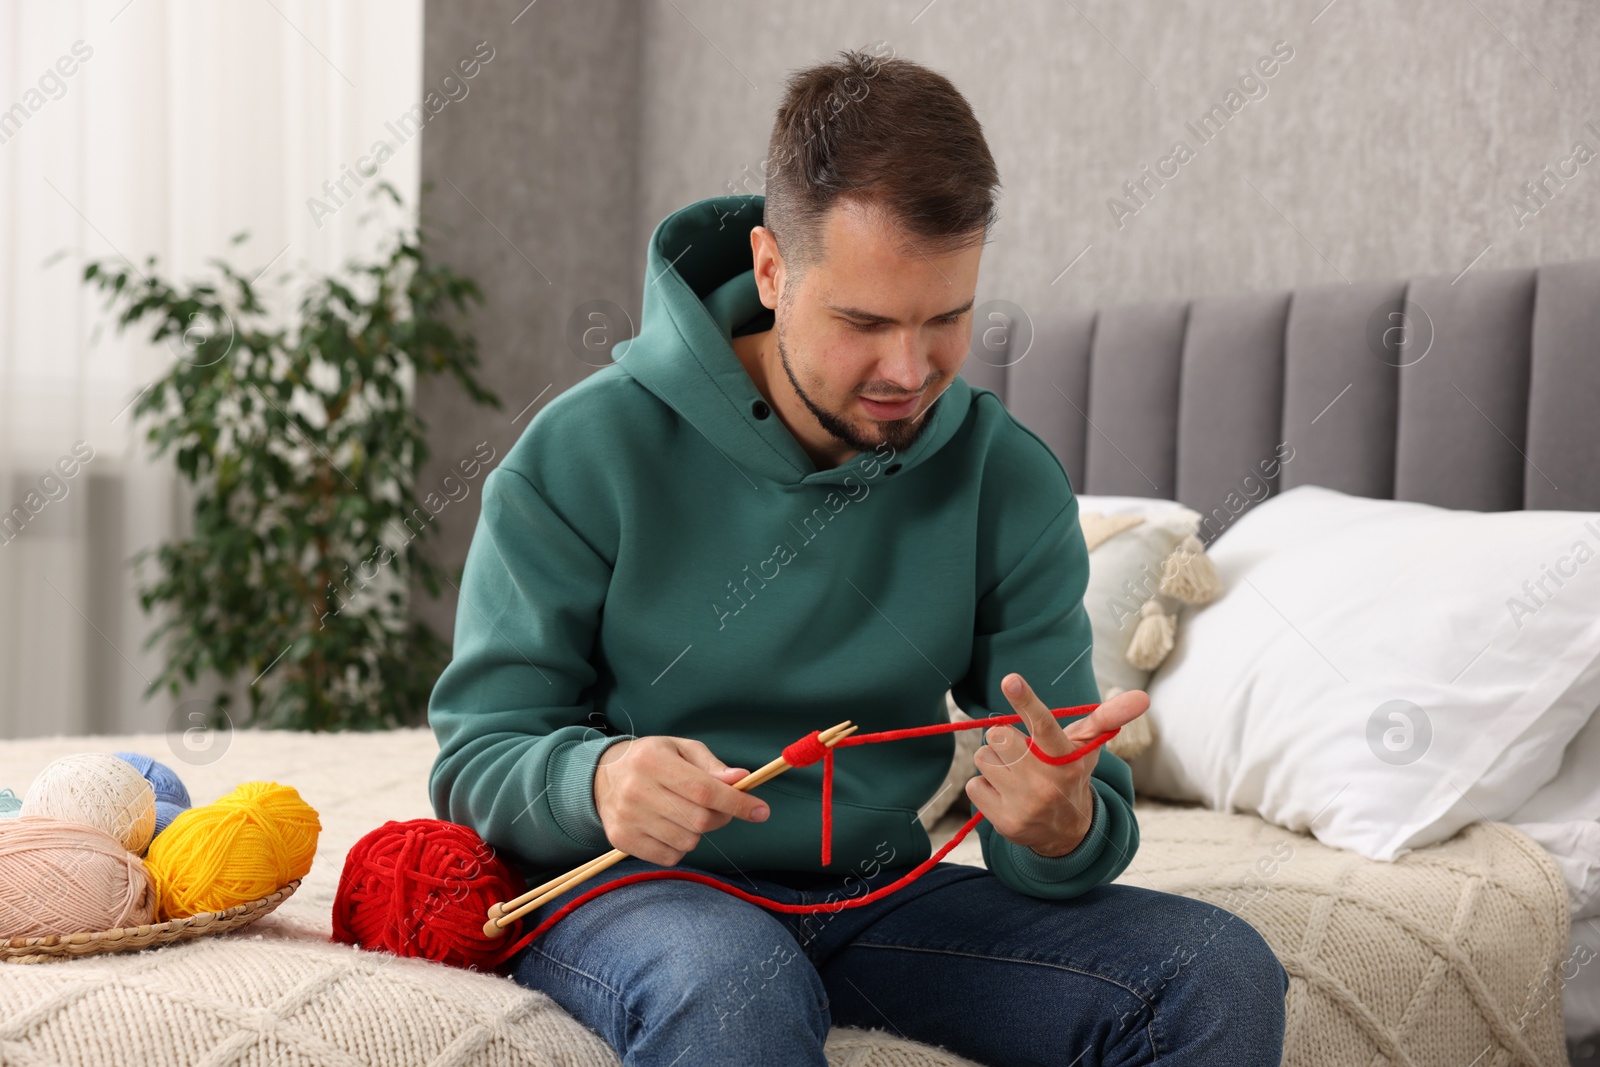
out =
column 898, row 434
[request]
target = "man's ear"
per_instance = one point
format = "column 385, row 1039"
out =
column 767, row 262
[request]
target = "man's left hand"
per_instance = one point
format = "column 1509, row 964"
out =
column 1029, row 801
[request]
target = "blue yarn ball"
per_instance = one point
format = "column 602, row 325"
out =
column 166, row 811
column 10, row 804
column 171, row 796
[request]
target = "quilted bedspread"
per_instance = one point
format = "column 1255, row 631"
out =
column 1450, row 956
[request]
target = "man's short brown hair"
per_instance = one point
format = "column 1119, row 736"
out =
column 891, row 135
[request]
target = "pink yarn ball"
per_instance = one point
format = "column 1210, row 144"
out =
column 65, row 877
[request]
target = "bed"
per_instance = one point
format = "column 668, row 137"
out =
column 1453, row 954
column 1480, row 919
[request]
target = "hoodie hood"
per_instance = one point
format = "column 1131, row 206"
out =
column 699, row 293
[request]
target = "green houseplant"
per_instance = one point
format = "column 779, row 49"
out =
column 302, row 447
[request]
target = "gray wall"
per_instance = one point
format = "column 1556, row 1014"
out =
column 534, row 185
column 1391, row 144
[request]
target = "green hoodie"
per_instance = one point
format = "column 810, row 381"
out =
column 658, row 555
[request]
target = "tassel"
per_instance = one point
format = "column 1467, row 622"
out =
column 1152, row 638
column 1189, row 575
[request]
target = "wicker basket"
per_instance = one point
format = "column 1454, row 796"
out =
column 124, row 939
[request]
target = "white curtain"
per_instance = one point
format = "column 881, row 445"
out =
column 130, row 128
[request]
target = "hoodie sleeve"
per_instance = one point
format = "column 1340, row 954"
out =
column 517, row 749
column 1034, row 623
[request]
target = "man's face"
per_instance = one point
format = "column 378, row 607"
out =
column 873, row 320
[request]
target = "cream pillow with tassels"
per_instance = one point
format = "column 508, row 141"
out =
column 1144, row 568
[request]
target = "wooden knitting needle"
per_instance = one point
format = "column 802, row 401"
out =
column 504, row 914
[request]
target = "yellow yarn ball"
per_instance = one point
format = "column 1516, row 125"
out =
column 250, row 843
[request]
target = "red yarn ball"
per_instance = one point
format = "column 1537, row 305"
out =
column 423, row 888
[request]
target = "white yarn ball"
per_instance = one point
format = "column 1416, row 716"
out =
column 100, row 790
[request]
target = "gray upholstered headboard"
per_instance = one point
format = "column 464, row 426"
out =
column 1480, row 391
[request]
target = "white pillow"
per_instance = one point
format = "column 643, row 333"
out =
column 1367, row 673
column 1119, row 505
column 1564, row 817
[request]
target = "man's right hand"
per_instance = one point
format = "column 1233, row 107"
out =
column 657, row 795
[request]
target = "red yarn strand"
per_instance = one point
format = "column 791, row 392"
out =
column 827, row 808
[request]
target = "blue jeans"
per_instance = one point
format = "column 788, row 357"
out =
column 674, row 972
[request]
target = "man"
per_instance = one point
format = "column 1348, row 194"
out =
column 782, row 508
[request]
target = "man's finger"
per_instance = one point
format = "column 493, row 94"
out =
column 1042, row 726
column 724, row 797
column 701, row 763
column 1111, row 714
column 985, row 797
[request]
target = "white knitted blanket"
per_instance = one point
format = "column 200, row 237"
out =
column 1447, row 957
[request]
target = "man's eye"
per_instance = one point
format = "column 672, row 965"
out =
column 869, row 327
